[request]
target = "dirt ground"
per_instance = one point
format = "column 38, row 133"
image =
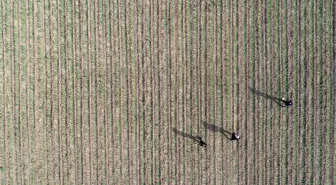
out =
column 116, row 92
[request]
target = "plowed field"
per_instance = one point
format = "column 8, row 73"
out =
column 115, row 91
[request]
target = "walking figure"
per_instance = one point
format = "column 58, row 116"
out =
column 286, row 103
column 200, row 141
column 235, row 136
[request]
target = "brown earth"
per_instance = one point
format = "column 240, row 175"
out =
column 115, row 92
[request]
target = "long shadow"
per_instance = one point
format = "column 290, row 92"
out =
column 189, row 136
column 265, row 95
column 215, row 128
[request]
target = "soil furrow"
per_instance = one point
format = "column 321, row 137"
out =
column 139, row 82
column 333, row 94
column 106, row 120
column 236, row 86
column 301, row 98
column 296, row 58
column 12, row 94
column 137, row 115
column 228, row 82
column 285, row 146
column 311, row 98
column 305, row 60
column 221, row 68
column 23, row 89
column 143, row 108
column 199, row 83
column 81, row 104
column 265, row 86
column 320, row 84
column 45, row 112
column 3, row 161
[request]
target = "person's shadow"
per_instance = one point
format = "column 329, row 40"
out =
column 215, row 128
column 189, row 136
column 267, row 96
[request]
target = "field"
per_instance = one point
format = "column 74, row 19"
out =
column 115, row 91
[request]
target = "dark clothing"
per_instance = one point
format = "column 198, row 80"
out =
column 201, row 142
column 287, row 103
column 235, row 136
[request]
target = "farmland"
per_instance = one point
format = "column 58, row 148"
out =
column 115, row 91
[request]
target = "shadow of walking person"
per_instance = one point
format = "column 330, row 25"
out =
column 267, row 96
column 189, row 136
column 215, row 128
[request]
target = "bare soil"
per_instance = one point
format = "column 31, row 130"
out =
column 115, row 92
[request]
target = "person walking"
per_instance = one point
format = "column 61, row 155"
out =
column 235, row 136
column 286, row 103
column 200, row 141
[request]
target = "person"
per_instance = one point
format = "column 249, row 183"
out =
column 235, row 136
column 286, row 103
column 200, row 141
